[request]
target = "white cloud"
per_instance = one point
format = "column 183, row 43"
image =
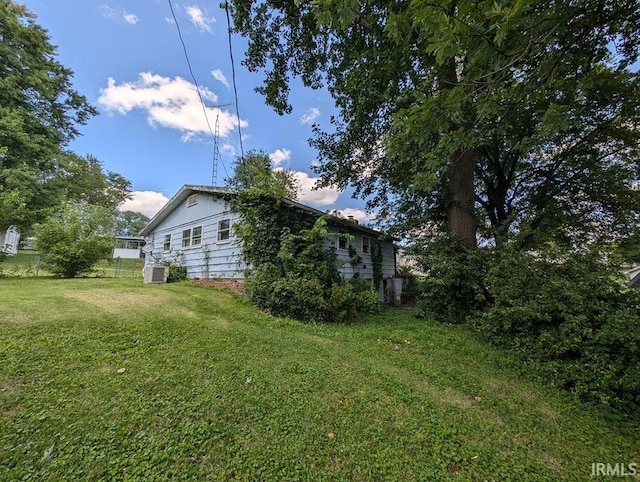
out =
column 228, row 148
column 118, row 14
column 145, row 202
column 310, row 116
column 357, row 214
column 131, row 18
column 172, row 103
column 200, row 18
column 279, row 156
column 321, row 197
column 219, row 75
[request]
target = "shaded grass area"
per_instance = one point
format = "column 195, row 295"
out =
column 109, row 378
column 29, row 264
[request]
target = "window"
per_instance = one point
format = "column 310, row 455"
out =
column 128, row 244
column 196, row 236
column 224, row 230
column 166, row 246
column 186, row 238
column 192, row 237
column 366, row 244
column 192, row 200
column 343, row 242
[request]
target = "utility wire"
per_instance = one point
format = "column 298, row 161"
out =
column 204, row 107
column 233, row 78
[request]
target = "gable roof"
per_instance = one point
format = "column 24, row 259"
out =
column 189, row 189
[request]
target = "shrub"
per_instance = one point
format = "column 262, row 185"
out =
column 412, row 287
column 304, row 282
column 455, row 285
column 572, row 314
column 75, row 239
column 176, row 273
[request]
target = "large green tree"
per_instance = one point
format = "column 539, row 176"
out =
column 130, row 223
column 457, row 117
column 39, row 115
column 84, row 179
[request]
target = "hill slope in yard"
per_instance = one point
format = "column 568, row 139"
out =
column 109, row 378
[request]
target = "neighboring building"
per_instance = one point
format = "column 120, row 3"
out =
column 403, row 258
column 195, row 228
column 128, row 247
column 9, row 240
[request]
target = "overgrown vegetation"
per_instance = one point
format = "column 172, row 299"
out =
column 568, row 313
column 112, row 379
column 291, row 269
column 303, row 280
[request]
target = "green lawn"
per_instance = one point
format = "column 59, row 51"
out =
column 108, row 378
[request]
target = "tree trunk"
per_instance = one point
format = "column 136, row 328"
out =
column 460, row 211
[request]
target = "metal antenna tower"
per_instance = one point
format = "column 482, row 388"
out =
column 216, row 145
column 216, row 150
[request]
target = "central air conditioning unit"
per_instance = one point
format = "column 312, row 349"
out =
column 155, row 274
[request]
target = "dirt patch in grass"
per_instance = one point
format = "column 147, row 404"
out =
column 9, row 386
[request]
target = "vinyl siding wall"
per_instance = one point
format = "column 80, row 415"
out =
column 224, row 259
column 365, row 267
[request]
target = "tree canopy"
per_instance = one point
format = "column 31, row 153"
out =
column 487, row 120
column 253, row 171
column 40, row 113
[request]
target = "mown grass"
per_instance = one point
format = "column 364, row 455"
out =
column 29, row 263
column 112, row 379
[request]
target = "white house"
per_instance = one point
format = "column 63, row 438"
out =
column 195, row 230
column 9, row 240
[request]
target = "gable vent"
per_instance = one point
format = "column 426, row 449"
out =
column 192, row 200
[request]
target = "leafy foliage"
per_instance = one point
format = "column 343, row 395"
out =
column 39, row 116
column 130, row 223
column 572, row 312
column 253, row 171
column 468, row 115
column 567, row 312
column 75, row 239
column 305, row 283
column 85, row 179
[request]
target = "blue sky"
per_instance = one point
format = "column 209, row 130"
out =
column 128, row 61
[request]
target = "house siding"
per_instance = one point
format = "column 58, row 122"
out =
column 224, row 259
column 364, row 268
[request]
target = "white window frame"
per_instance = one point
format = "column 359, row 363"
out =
column 196, row 239
column 192, row 200
column 166, row 242
column 190, row 239
column 220, row 231
column 368, row 245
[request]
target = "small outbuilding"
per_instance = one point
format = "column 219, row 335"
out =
column 9, row 240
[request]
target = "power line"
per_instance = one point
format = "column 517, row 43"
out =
column 204, row 107
column 233, row 77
